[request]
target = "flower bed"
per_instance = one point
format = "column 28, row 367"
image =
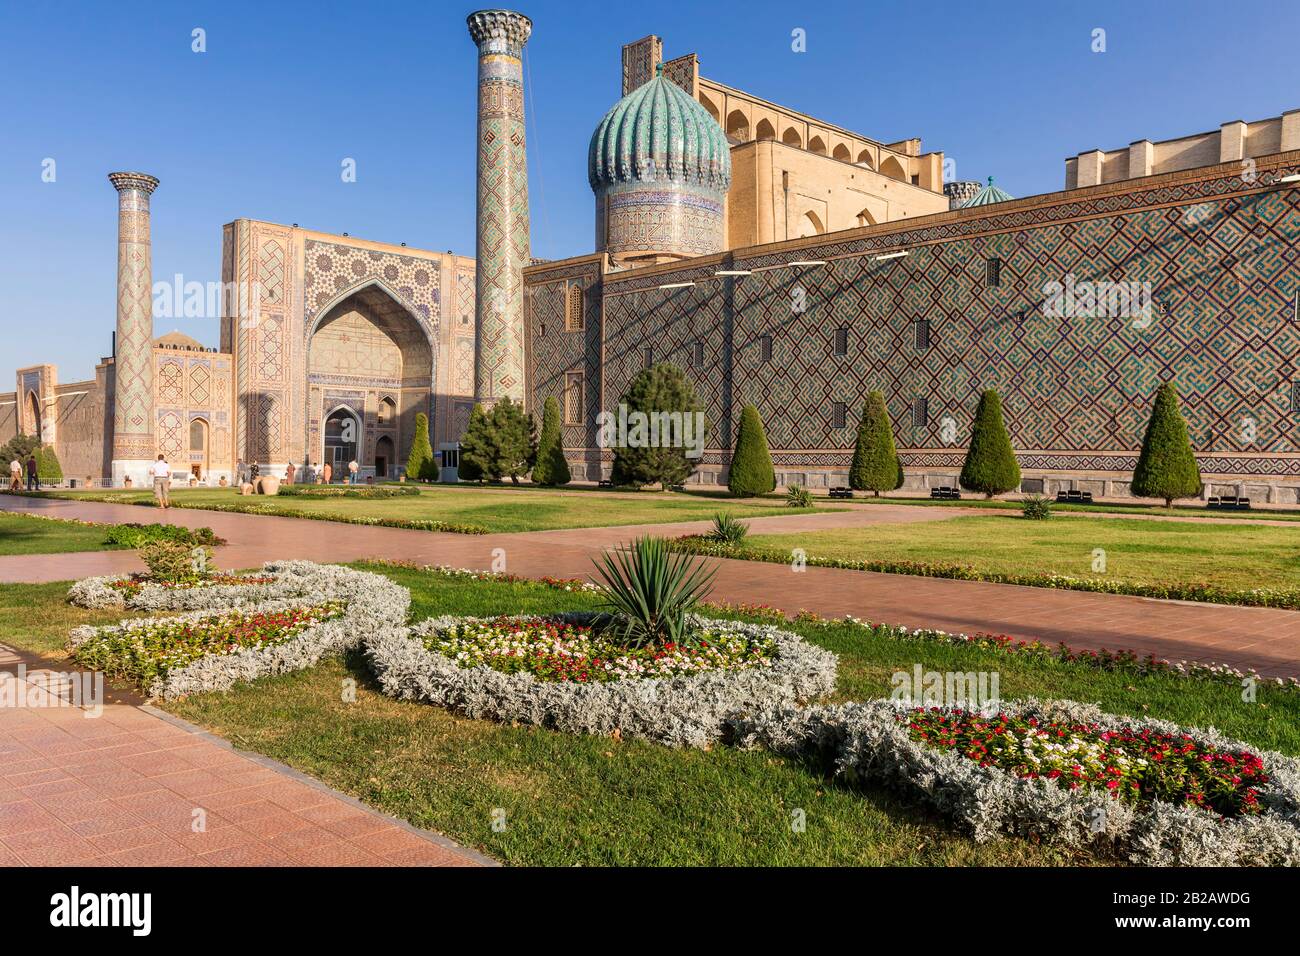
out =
column 562, row 651
column 1253, row 820
column 202, row 650
column 479, row 668
column 131, row 535
column 146, row 650
column 347, row 491
column 1287, row 598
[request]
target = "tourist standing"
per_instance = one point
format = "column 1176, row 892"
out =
column 162, row 480
column 328, row 472
column 33, row 474
column 353, row 468
column 288, row 474
column 241, row 473
column 15, row 475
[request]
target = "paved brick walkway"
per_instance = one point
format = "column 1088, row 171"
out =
column 124, row 788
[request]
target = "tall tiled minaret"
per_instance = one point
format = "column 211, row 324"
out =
column 133, row 412
column 502, row 220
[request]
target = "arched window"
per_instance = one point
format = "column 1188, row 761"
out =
column 198, row 436
column 764, row 130
column 712, row 108
column 842, row 154
column 810, row 225
column 387, row 411
column 817, row 145
column 573, row 312
column 737, row 127
column 892, row 168
column 864, row 159
column 791, row 138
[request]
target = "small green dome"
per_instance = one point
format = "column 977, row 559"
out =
column 659, row 133
column 988, row 195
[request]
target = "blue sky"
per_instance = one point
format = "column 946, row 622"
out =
column 258, row 125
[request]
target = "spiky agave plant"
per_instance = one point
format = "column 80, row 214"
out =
column 727, row 530
column 648, row 591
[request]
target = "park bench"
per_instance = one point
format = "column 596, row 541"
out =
column 841, row 492
column 1228, row 503
column 1074, row 497
column 945, row 492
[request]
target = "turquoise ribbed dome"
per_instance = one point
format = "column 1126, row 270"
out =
column 987, row 196
column 659, row 133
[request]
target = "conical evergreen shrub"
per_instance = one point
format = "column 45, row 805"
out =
column 876, row 465
column 551, row 468
column 1166, row 467
column 751, row 471
column 420, row 463
column 991, row 465
column 48, row 469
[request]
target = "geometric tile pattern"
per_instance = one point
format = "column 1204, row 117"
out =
column 502, row 208
column 133, row 420
column 1222, row 258
column 554, row 351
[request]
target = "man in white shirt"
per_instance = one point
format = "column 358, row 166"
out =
column 15, row 475
column 162, row 480
column 353, row 468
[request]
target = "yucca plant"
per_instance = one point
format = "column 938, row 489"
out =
column 647, row 591
column 797, row 496
column 727, row 530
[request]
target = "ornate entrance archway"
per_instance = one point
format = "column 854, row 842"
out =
column 369, row 372
column 342, row 439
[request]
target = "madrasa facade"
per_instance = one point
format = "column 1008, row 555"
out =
column 780, row 261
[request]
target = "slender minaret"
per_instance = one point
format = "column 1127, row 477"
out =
column 502, row 212
column 133, row 414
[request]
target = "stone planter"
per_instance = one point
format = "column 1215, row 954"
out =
column 246, row 488
column 268, row 485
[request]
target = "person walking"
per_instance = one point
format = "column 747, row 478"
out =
column 328, row 472
column 15, row 475
column 33, row 473
column 353, row 468
column 162, row 480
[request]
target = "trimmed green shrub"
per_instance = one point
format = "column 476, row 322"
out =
column 420, row 463
column 648, row 592
column 727, row 530
column 797, row 496
column 347, row 491
column 751, row 471
column 515, row 436
column 551, row 468
column 47, row 466
column 656, row 391
column 1166, row 467
column 133, row 535
column 876, row 466
column 1036, row 508
column 991, row 465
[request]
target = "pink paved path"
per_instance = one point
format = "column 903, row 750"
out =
column 124, row 788
column 1266, row 639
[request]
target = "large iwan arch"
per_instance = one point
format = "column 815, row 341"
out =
column 369, row 370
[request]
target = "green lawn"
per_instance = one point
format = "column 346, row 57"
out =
column 23, row 534
column 1187, row 509
column 597, row 801
column 1230, row 555
column 495, row 509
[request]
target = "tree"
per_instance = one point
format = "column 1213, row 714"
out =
column 474, row 446
column 876, row 465
column 420, row 463
column 991, row 465
column 1166, row 467
column 20, row 447
column 48, row 469
column 499, row 443
column 551, row 468
column 751, row 471
column 514, row 435
column 655, row 447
